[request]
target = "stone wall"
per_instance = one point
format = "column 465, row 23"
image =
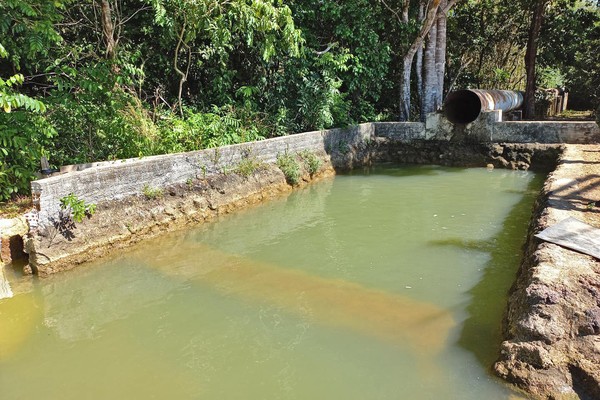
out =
column 117, row 180
column 552, row 323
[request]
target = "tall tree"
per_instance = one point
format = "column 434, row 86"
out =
column 430, row 76
column 537, row 18
column 430, row 85
column 407, row 60
column 440, row 53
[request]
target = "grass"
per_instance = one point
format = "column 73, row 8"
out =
column 248, row 166
column 15, row 207
column 152, row 193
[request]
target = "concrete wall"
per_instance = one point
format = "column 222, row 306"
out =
column 119, row 179
column 571, row 132
column 404, row 131
column 116, row 180
column 490, row 128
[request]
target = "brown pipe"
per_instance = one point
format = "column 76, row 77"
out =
column 464, row 106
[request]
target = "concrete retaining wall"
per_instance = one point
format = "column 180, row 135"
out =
column 116, row 180
column 490, row 128
column 571, row 132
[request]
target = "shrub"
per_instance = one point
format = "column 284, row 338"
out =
column 311, row 161
column 76, row 208
column 288, row 164
column 249, row 165
column 23, row 138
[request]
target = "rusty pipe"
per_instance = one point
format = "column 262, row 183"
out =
column 464, row 106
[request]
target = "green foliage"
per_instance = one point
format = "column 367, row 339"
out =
column 26, row 34
column 189, row 74
column 198, row 130
column 249, row 165
column 289, row 165
column 97, row 118
column 76, row 208
column 486, row 44
column 152, row 193
column 311, row 161
column 570, row 40
column 23, row 135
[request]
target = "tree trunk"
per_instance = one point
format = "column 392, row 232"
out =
column 530, row 56
column 405, row 87
column 419, row 60
column 440, row 55
column 182, row 75
column 409, row 57
column 430, row 75
column 108, row 30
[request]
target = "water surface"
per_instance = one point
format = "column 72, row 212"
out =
column 382, row 284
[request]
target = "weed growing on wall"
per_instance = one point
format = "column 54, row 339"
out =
column 76, row 208
column 311, row 161
column 72, row 209
column 249, row 166
column 288, row 164
column 152, row 193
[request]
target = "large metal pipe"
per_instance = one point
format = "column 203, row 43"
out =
column 464, row 106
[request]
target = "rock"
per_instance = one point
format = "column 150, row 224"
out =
column 12, row 232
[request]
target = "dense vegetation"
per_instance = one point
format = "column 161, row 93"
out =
column 106, row 79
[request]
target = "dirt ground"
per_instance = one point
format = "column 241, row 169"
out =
column 590, row 191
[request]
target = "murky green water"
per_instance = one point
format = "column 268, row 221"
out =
column 382, row 285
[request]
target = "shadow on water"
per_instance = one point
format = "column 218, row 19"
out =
column 482, row 330
column 400, row 170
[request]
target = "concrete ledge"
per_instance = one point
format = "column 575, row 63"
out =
column 571, row 132
column 404, row 131
column 117, row 180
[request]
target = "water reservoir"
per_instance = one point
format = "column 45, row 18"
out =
column 381, row 284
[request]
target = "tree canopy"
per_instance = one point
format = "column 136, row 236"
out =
column 107, row 79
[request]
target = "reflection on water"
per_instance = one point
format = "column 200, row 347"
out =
column 5, row 291
column 369, row 286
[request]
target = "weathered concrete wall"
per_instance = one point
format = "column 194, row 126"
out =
column 490, row 128
column 523, row 156
column 571, row 132
column 116, row 180
column 120, row 179
column 403, row 131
